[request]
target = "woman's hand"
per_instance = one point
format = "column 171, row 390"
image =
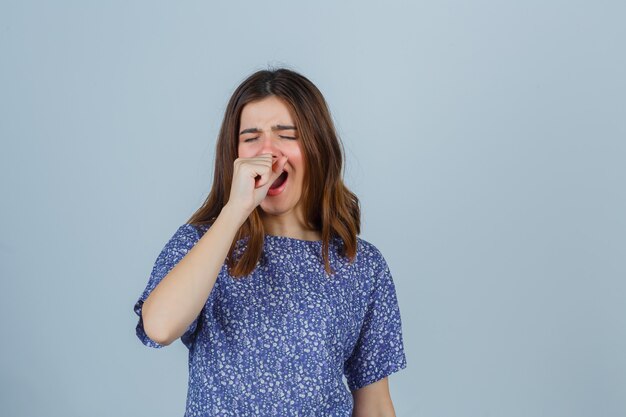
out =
column 252, row 178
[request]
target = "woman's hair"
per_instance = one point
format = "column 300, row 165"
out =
column 329, row 206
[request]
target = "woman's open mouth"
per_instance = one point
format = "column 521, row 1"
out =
column 279, row 185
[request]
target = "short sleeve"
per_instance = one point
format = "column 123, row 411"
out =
column 379, row 350
column 175, row 249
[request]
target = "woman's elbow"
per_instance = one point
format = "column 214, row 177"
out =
column 154, row 330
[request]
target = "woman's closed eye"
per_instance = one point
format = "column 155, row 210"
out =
column 280, row 136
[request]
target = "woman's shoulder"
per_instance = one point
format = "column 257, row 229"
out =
column 185, row 234
column 368, row 249
column 370, row 256
column 198, row 228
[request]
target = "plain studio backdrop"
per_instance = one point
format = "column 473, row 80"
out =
column 485, row 139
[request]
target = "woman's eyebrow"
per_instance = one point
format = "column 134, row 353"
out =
column 274, row 128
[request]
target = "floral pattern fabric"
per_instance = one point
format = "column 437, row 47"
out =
column 280, row 341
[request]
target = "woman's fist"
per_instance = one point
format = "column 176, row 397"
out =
column 252, row 178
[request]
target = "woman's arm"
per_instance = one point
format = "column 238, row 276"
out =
column 373, row 400
column 180, row 296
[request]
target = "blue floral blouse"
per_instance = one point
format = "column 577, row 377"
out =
column 279, row 341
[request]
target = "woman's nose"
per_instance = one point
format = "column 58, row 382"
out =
column 270, row 147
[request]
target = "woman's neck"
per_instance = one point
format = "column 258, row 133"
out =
column 289, row 226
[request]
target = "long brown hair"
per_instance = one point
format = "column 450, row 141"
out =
column 329, row 206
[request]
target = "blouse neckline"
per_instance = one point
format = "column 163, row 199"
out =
column 291, row 239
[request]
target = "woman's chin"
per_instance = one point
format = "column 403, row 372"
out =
column 270, row 205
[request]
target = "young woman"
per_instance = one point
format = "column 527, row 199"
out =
column 268, row 284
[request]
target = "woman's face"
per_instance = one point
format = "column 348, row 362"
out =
column 267, row 127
